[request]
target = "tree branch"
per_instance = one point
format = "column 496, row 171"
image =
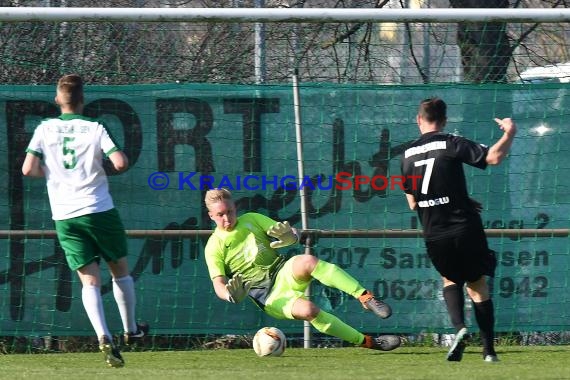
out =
column 354, row 28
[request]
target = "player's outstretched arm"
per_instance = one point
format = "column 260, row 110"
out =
column 284, row 233
column 501, row 148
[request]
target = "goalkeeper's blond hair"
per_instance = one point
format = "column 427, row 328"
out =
column 217, row 195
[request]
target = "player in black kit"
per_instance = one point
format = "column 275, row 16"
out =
column 453, row 230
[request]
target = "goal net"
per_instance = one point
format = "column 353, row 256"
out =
column 209, row 102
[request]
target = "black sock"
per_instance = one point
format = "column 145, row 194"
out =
column 485, row 316
column 455, row 301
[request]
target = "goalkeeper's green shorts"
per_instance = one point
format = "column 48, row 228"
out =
column 285, row 291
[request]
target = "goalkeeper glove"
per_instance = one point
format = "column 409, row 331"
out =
column 283, row 233
column 237, row 288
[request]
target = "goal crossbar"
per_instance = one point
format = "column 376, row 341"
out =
column 433, row 15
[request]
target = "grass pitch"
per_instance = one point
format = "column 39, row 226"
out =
column 544, row 362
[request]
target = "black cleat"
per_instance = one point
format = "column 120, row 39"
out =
column 455, row 353
column 378, row 307
column 111, row 353
column 382, row 342
column 131, row 338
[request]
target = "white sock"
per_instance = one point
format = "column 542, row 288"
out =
column 93, row 304
column 124, row 292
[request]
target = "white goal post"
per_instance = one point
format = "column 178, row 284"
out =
column 433, row 15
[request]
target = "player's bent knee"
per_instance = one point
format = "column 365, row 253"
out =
column 305, row 310
column 304, row 265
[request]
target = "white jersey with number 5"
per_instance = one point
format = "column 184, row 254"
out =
column 72, row 147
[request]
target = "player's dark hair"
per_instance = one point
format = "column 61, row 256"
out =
column 433, row 110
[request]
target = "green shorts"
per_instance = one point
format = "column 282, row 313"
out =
column 285, row 291
column 88, row 238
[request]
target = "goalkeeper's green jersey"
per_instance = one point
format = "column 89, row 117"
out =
column 245, row 249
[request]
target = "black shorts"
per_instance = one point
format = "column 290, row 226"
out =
column 463, row 258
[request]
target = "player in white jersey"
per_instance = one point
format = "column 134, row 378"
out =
column 68, row 151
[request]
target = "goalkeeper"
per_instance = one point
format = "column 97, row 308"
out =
column 242, row 261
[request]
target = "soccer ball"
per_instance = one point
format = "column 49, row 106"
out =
column 269, row 341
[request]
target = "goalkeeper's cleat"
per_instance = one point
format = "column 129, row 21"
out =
column 130, row 338
column 111, row 353
column 378, row 307
column 382, row 342
column 455, row 353
column 491, row 358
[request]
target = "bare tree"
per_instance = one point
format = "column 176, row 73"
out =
column 485, row 47
column 130, row 52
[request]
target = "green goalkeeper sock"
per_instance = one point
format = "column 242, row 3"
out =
column 331, row 325
column 331, row 275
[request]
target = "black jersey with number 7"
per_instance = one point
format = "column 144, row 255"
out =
column 433, row 168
